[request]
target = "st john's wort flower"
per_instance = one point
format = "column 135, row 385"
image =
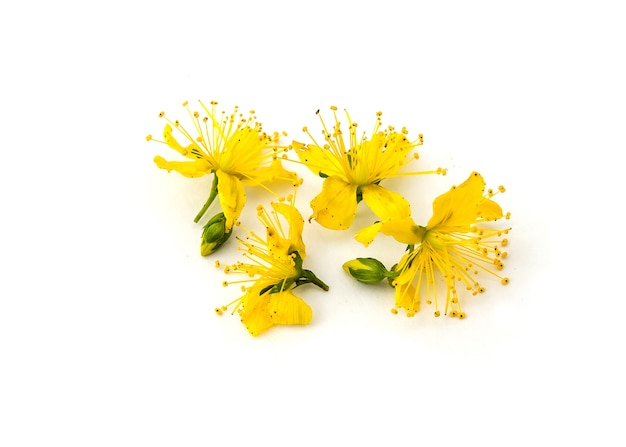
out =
column 274, row 270
column 232, row 147
column 456, row 244
column 353, row 169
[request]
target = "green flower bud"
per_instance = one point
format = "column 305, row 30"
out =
column 366, row 270
column 214, row 234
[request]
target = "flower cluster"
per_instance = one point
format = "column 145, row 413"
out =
column 442, row 257
column 235, row 150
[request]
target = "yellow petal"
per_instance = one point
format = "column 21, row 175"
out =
column 407, row 298
column 275, row 171
column 367, row 235
column 384, row 203
column 254, row 312
column 232, row 197
column 489, row 210
column 192, row 169
column 386, row 154
column 277, row 246
column 408, row 266
column 190, row 151
column 403, row 230
column 335, row 206
column 286, row 308
column 459, row 208
column 318, row 160
column 296, row 225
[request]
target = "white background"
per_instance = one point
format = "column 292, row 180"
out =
column 107, row 329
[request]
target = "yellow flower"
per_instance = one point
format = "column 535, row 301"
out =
column 274, row 271
column 232, row 147
column 454, row 244
column 353, row 172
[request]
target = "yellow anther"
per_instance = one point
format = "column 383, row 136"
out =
column 148, row 137
column 505, row 281
column 437, row 313
column 218, row 311
column 394, row 311
column 161, row 114
column 501, row 188
column 504, row 242
column 185, row 103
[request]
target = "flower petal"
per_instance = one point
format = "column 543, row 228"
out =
column 367, row 235
column 296, row 225
column 287, row 308
column 489, row 210
column 277, row 246
column 254, row 312
column 407, row 298
column 335, row 206
column 384, row 203
column 192, row 169
column 275, row 171
column 320, row 161
column 232, row 197
column 403, row 230
column 192, row 151
column 458, row 209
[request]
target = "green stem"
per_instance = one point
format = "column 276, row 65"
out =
column 209, row 200
column 311, row 278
